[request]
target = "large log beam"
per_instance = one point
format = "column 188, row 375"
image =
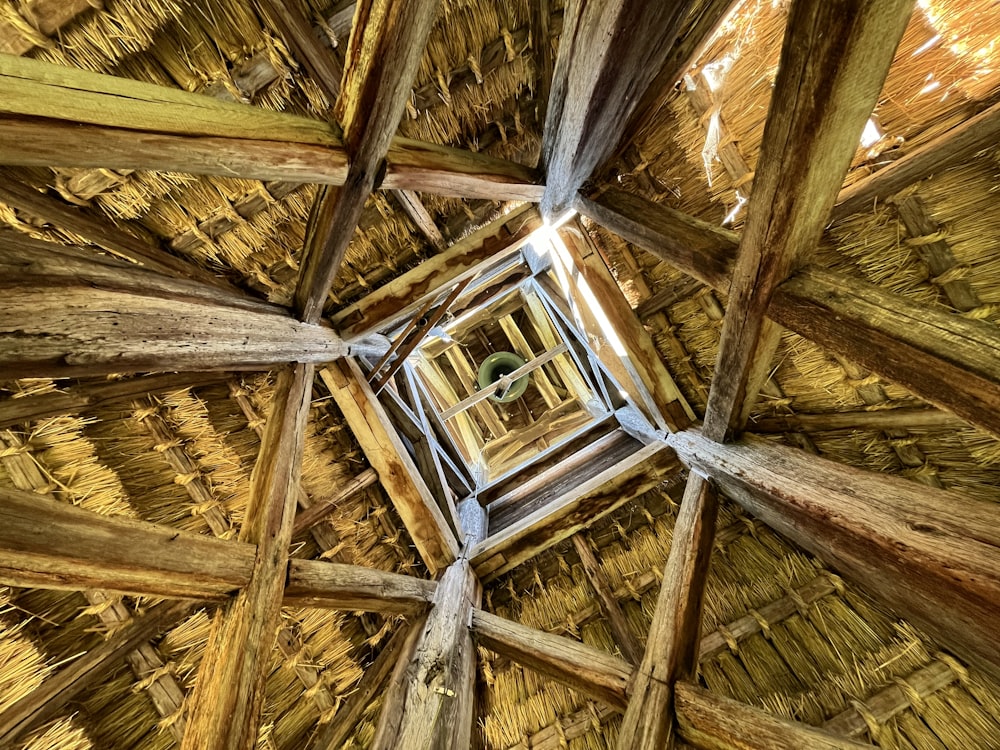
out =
column 591, row 671
column 673, row 640
column 54, row 116
column 70, row 313
column 386, row 44
column 398, row 474
column 834, row 60
column 713, row 722
column 53, row 545
column 933, row 555
column 430, row 700
column 609, row 53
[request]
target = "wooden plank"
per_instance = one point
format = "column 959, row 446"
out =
column 45, row 702
column 406, row 489
column 591, row 671
column 834, row 60
column 373, row 682
column 324, row 506
column 932, row 555
column 916, row 418
column 673, row 640
column 430, row 700
column 713, row 722
column 960, row 142
column 658, row 395
column 572, row 511
column 522, row 348
column 102, row 233
column 392, row 302
column 947, row 359
column 387, row 40
column 228, row 697
column 70, row 313
column 625, row 639
column 85, row 396
column 609, row 53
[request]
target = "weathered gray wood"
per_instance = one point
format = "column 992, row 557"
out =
column 933, row 555
column 81, row 398
column 68, row 312
column 573, row 510
column 313, row 583
column 430, row 699
column 48, row 699
column 918, row 418
column 627, row 643
column 421, row 217
column 833, row 62
column 712, row 722
column 962, row 141
column 674, row 635
column 608, row 55
column 944, row 358
column 385, row 452
column 229, row 693
column 373, row 682
column 591, row 671
column 387, row 41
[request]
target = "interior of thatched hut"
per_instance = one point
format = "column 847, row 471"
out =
column 499, row 374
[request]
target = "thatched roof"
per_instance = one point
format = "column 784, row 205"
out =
column 783, row 629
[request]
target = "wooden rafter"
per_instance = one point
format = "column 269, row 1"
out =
column 931, row 554
column 608, row 55
column 833, row 63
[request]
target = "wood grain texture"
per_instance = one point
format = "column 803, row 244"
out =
column 609, row 53
column 314, row 583
column 430, row 700
column 575, row 509
column 595, row 673
column 45, row 702
column 391, row 302
column 834, row 60
column 932, row 555
column 398, row 474
column 919, row 418
column 323, row 506
column 229, row 693
column 947, row 359
column 674, row 635
column 713, row 722
column 972, row 135
column 69, row 312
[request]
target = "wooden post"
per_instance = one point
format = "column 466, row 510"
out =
column 834, row 61
column 674, row 636
column 429, row 702
column 931, row 554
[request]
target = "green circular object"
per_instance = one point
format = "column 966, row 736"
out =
column 495, row 367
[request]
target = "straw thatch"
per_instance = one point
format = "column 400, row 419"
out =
column 184, row 458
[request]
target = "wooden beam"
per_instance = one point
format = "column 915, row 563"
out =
column 668, row 408
column 625, row 639
column 85, row 396
column 591, row 671
column 958, row 143
column 932, row 555
column 421, row 217
column 430, row 700
column 102, row 233
column 392, row 302
column 68, row 313
column 324, row 506
column 609, row 53
column 713, row 722
column 323, row 585
column 373, row 683
column 572, row 511
column 673, row 640
column 947, row 359
column 407, row 491
column 387, row 41
column 229, row 693
column 834, row 60
column 317, row 57
column 45, row 702
column 903, row 418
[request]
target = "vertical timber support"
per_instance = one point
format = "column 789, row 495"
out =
column 429, row 702
column 672, row 645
